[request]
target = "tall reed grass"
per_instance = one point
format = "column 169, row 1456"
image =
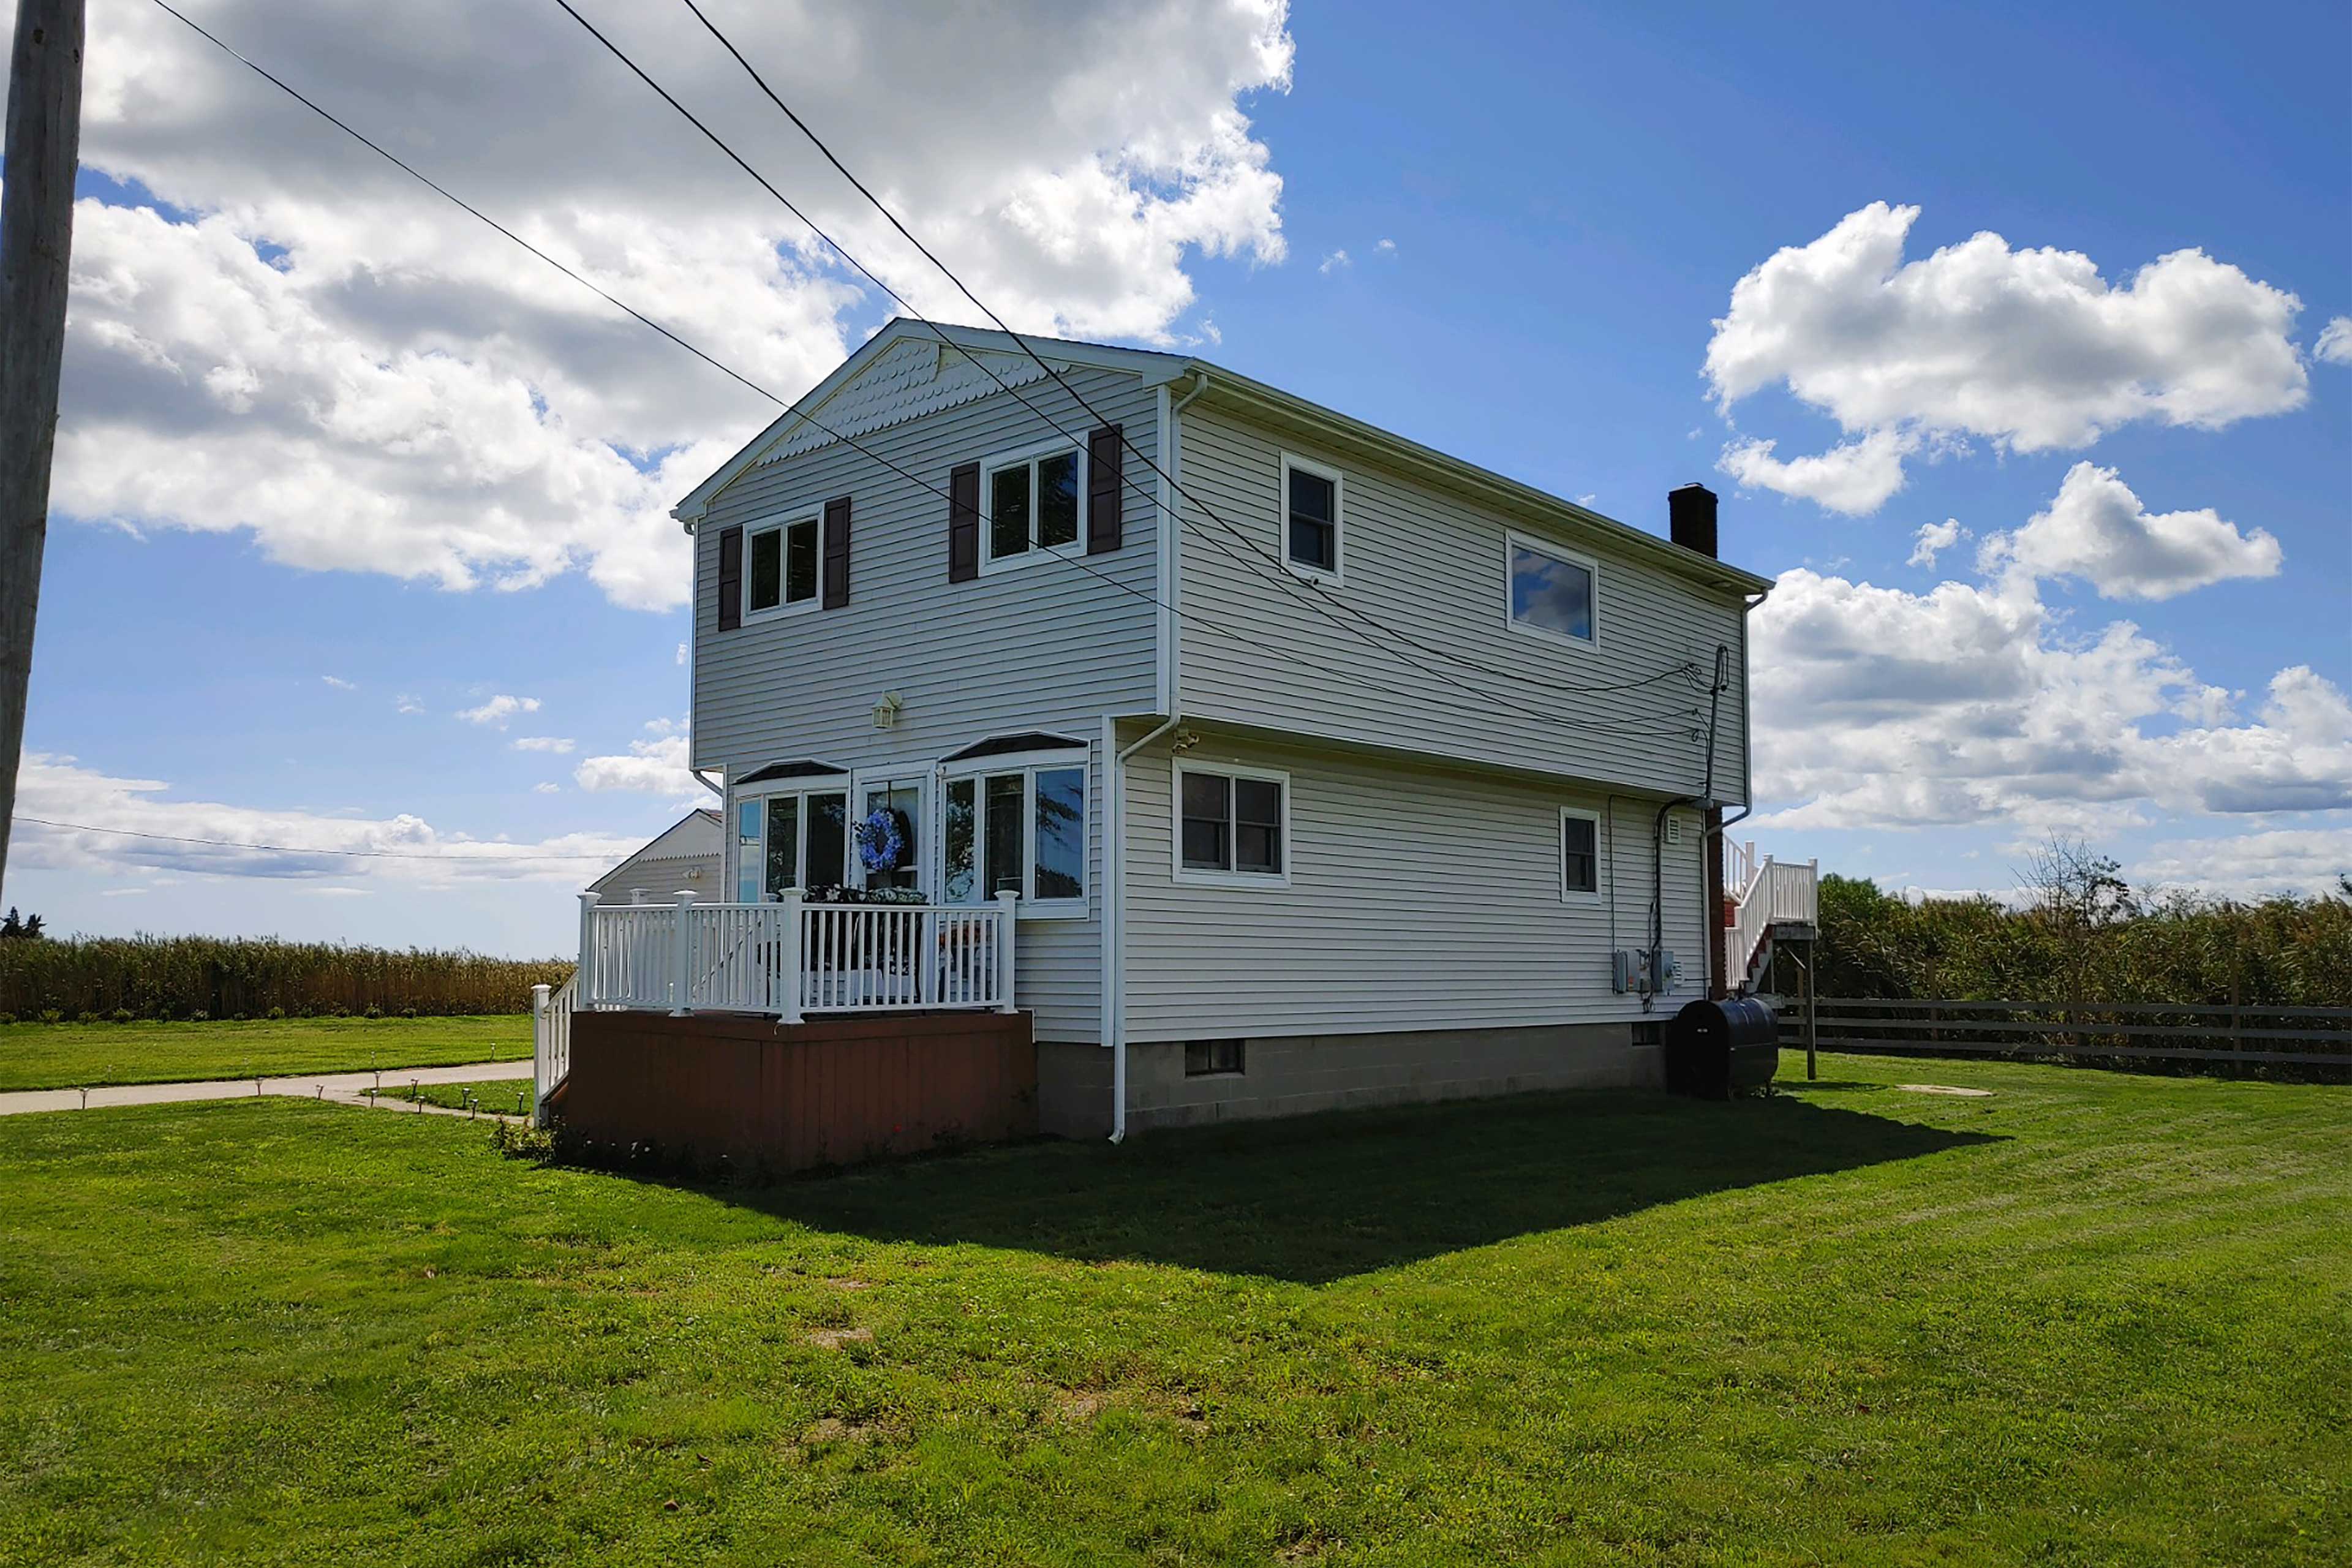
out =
column 181, row 977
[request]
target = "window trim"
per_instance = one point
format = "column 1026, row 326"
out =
column 992, row 562
column 784, row 605
column 1593, row 894
column 1199, row 877
column 801, row 788
column 1077, row 757
column 1338, row 571
column 1513, row 540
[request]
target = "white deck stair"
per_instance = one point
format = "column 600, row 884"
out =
column 1772, row 901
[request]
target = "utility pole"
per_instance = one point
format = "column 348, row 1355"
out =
column 36, row 192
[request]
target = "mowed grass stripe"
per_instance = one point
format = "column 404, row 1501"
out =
column 2092, row 1319
column 84, row 1056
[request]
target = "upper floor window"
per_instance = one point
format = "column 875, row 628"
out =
column 1034, row 502
column 1553, row 591
column 783, row 567
column 1580, row 853
column 1310, row 510
column 1019, row 826
column 1232, row 825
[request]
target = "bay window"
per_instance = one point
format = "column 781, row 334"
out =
column 1018, row 824
column 798, row 840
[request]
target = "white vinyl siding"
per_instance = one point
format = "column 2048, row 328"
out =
column 1050, row 647
column 1417, row 898
column 1435, row 566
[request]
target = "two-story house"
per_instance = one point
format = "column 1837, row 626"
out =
column 1320, row 768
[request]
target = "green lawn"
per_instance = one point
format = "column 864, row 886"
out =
column 79, row 1055
column 2092, row 1319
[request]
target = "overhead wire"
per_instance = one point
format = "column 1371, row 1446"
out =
column 1285, row 578
column 1282, row 577
column 793, row 408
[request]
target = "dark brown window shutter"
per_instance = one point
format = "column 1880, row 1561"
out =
column 963, row 523
column 731, row 578
column 836, row 552
column 1106, row 490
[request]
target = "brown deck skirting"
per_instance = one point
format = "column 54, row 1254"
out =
column 831, row 1091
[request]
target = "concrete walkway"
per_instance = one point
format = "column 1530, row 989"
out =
column 349, row 1088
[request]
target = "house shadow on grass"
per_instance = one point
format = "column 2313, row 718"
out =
column 1317, row 1199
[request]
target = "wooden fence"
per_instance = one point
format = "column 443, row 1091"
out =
column 2130, row 1031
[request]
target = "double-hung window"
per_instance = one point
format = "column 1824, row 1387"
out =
column 780, row 570
column 1580, row 853
column 1035, row 502
column 1310, row 513
column 790, row 840
column 1233, row 825
column 1018, row 824
column 1552, row 593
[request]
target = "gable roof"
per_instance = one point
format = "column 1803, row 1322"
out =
column 908, row 352
column 906, row 370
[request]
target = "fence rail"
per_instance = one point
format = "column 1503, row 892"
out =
column 791, row 958
column 551, row 1046
column 2106, row 1029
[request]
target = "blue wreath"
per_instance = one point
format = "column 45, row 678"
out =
column 879, row 841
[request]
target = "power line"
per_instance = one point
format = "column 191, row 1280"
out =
column 1281, row 576
column 302, row 849
column 793, row 408
column 929, row 255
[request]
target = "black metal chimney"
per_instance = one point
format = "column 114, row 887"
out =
column 1690, row 518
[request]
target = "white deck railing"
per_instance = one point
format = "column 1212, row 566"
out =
column 550, row 1041
column 792, row 958
column 1765, row 893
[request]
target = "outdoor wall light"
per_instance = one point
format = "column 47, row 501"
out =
column 885, row 712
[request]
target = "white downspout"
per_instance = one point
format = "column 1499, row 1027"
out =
column 1115, row 916
column 1114, row 987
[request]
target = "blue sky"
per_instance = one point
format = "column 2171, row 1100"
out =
column 1568, row 198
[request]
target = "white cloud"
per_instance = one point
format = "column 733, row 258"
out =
column 681, row 654
column 2335, row 344
column 326, row 356
column 499, row 710
column 2030, row 350
column 1385, row 247
column 2286, row 860
column 340, row 684
column 2096, row 529
column 560, row 745
column 649, row 767
column 1854, row 478
column 1334, row 261
column 1877, row 707
column 546, row 788
column 110, row 812
column 405, row 704
column 1932, row 540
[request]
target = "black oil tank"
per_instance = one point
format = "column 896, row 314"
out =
column 1718, row 1049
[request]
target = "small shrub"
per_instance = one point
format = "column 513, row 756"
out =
column 518, row 1142
column 124, row 1016
column 408, row 1012
column 275, row 1012
column 200, row 1017
column 51, row 1015
column 7, row 1017
column 85, row 1018
column 373, row 1011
